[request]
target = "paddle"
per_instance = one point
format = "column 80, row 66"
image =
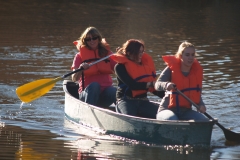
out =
column 33, row 90
column 229, row 135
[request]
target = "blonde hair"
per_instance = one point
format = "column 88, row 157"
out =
column 181, row 48
column 102, row 45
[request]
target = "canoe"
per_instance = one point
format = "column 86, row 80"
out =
column 107, row 121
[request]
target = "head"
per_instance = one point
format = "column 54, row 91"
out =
column 133, row 49
column 186, row 52
column 91, row 38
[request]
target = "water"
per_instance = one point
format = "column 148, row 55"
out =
column 36, row 42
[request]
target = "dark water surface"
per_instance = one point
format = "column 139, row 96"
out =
column 36, row 42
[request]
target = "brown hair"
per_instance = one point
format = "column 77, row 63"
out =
column 131, row 48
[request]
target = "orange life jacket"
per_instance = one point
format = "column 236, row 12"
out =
column 89, row 56
column 190, row 85
column 144, row 72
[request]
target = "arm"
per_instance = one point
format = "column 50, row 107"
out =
column 77, row 63
column 76, row 76
column 112, row 63
column 122, row 74
column 160, row 94
column 163, row 80
column 164, row 83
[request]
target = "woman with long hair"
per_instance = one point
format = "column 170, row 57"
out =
column 95, row 82
column 185, row 72
column 136, row 76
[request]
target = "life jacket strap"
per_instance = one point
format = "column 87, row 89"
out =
column 198, row 89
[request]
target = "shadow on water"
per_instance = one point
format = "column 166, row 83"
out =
column 36, row 42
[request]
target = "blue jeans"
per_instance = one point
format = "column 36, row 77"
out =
column 92, row 94
column 141, row 108
column 184, row 114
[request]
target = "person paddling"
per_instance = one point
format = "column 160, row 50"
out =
column 95, row 82
column 184, row 72
column 136, row 76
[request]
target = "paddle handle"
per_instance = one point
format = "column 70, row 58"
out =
column 80, row 69
column 178, row 91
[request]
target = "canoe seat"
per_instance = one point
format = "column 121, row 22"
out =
column 72, row 88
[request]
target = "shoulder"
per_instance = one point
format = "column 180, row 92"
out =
column 77, row 59
column 119, row 66
column 167, row 70
column 165, row 74
column 78, row 55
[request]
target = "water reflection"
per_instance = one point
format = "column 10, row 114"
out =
column 17, row 143
column 42, row 144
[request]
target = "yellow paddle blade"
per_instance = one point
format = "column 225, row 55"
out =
column 33, row 90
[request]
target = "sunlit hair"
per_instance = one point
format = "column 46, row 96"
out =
column 182, row 47
column 131, row 48
column 92, row 31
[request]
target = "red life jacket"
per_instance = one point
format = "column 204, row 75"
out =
column 89, row 56
column 190, row 85
column 144, row 72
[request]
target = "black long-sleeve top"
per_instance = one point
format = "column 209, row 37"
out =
column 128, row 84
